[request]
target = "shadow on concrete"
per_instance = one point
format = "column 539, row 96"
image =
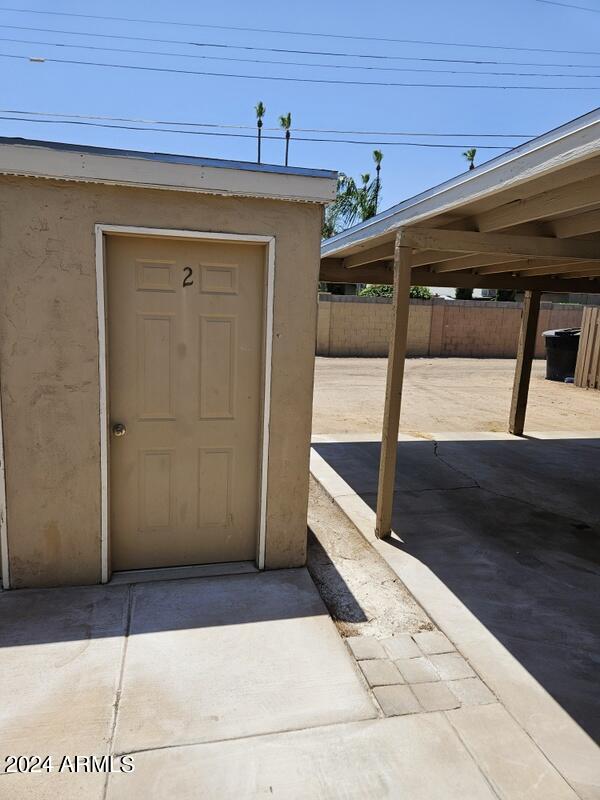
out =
column 44, row 616
column 513, row 529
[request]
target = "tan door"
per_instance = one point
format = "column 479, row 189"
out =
column 185, row 344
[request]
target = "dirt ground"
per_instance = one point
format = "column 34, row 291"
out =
column 362, row 593
column 445, row 394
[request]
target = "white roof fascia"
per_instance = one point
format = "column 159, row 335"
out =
column 569, row 144
column 140, row 170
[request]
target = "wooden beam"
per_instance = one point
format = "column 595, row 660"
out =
column 525, row 353
column 393, row 392
column 522, row 264
column 424, row 257
column 581, row 276
column 473, row 262
column 333, row 271
column 564, row 268
column 570, row 197
column 588, row 222
column 384, row 252
column 545, row 283
column 511, row 245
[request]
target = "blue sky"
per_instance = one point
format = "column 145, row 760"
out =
column 89, row 90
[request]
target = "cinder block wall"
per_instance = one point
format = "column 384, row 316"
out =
column 360, row 326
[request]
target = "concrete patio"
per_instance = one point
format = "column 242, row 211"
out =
column 240, row 686
column 497, row 537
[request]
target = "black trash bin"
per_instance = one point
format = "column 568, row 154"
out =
column 561, row 353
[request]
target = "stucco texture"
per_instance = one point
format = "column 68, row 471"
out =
column 49, row 362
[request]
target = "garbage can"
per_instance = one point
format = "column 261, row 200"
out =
column 561, row 353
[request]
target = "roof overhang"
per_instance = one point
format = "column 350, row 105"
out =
column 531, row 219
column 67, row 162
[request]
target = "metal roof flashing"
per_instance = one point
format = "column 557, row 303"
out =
column 72, row 162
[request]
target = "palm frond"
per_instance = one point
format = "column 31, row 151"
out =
column 285, row 121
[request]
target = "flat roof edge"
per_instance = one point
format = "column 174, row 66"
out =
column 57, row 161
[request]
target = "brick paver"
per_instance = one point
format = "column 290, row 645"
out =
column 451, row 666
column 435, row 696
column 364, row 647
column 380, row 672
column 432, row 642
column 401, row 646
column 417, row 670
column 396, row 700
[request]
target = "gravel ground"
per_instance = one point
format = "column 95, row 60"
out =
column 445, row 394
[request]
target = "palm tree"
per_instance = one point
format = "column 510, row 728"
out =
column 285, row 120
column 354, row 202
column 377, row 158
column 470, row 156
column 261, row 110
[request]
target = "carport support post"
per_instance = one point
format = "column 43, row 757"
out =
column 393, row 392
column 529, row 323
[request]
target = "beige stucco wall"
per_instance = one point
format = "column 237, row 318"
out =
column 49, row 362
column 360, row 326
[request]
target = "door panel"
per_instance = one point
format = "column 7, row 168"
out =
column 185, row 344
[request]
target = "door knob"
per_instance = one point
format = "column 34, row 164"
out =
column 119, row 429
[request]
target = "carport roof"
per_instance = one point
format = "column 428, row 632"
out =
column 64, row 161
column 529, row 218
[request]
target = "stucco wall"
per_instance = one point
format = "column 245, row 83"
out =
column 360, row 326
column 49, row 362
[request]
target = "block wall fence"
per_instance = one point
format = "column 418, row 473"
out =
column 360, row 326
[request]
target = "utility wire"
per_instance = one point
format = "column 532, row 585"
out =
column 289, row 51
column 287, row 32
column 300, row 63
column 265, row 128
column 570, row 5
column 245, row 135
column 289, row 79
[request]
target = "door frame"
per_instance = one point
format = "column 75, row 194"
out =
column 103, row 230
column 4, row 559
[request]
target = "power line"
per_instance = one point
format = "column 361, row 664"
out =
column 247, row 135
column 300, row 63
column 289, row 33
column 265, row 128
column 570, row 5
column 290, row 79
column 290, row 51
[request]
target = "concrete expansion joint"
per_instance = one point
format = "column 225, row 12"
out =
column 119, row 690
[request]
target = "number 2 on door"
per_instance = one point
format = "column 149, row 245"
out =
column 187, row 279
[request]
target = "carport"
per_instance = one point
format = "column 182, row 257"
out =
column 527, row 220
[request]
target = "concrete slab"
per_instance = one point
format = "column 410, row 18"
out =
column 220, row 658
column 518, row 600
column 60, row 660
column 418, row 757
column 53, row 786
column 514, row 765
